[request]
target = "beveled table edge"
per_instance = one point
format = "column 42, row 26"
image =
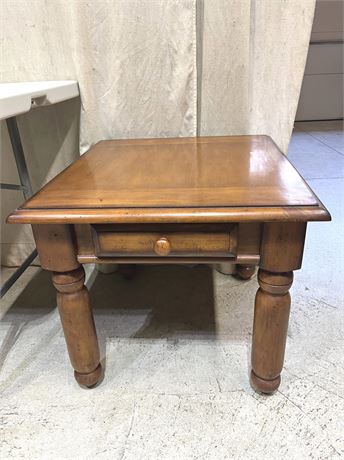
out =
column 169, row 215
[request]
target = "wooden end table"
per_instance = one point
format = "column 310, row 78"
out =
column 186, row 200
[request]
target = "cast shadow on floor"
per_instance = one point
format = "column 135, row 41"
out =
column 173, row 298
column 160, row 302
column 173, row 303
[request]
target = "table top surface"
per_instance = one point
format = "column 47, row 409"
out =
column 184, row 176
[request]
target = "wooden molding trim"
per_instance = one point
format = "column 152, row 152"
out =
column 169, row 215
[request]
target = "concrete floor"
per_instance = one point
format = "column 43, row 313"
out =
column 175, row 342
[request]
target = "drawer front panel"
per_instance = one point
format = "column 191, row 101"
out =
column 109, row 243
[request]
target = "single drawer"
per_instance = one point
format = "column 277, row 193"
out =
column 175, row 240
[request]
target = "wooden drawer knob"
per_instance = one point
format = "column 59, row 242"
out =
column 162, row 247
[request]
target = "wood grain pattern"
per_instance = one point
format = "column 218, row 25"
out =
column 235, row 178
column 281, row 253
column 271, row 316
column 170, row 240
column 84, row 239
column 247, row 251
column 198, row 200
column 56, row 247
column 172, row 215
column 282, row 246
column 78, row 325
column 249, row 238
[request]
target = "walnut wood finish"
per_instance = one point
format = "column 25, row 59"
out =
column 57, row 253
column 282, row 246
column 78, row 325
column 165, row 240
column 195, row 200
column 270, row 327
column 205, row 179
column 245, row 272
column 168, row 215
column 56, row 247
column 178, row 173
column 281, row 252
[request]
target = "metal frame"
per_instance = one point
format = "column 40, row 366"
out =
column 25, row 187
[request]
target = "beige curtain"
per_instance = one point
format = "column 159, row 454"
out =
column 148, row 68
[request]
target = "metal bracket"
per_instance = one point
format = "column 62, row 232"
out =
column 25, row 187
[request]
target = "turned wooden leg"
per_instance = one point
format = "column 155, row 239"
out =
column 281, row 253
column 78, row 325
column 270, row 328
column 57, row 253
column 245, row 272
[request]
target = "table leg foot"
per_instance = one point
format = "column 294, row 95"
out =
column 91, row 379
column 245, row 272
column 270, row 327
column 264, row 386
column 78, row 325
